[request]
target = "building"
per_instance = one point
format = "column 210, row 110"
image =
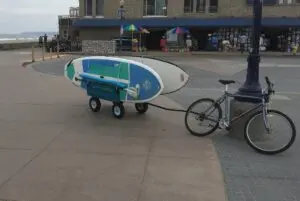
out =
column 65, row 23
column 101, row 19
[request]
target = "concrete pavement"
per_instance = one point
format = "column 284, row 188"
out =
column 53, row 148
column 248, row 175
column 198, row 54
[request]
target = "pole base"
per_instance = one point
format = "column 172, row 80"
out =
column 251, row 86
column 237, row 129
column 253, row 94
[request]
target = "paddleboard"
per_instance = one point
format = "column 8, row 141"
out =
column 143, row 83
column 173, row 77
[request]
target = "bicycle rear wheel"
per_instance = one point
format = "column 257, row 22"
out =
column 267, row 142
column 206, row 113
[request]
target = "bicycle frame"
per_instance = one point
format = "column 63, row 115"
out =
column 226, row 115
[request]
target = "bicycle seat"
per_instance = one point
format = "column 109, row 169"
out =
column 225, row 82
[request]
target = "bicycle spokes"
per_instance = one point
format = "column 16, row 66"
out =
column 202, row 117
column 270, row 132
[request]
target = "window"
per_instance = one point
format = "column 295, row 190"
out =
column 99, row 7
column 213, row 6
column 88, row 8
column 282, row 2
column 191, row 6
column 200, row 6
column 65, row 35
column 155, row 7
column 188, row 6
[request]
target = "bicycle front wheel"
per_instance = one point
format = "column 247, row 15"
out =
column 276, row 136
column 202, row 117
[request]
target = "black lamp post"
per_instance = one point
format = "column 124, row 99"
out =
column 252, row 86
column 122, row 2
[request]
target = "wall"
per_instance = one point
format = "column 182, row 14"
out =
column 98, row 47
column 14, row 45
column 98, row 33
column 239, row 8
column 236, row 8
column 81, row 8
column 227, row 8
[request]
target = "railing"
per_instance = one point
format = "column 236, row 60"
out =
column 67, row 17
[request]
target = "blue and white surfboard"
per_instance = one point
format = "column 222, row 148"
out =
column 142, row 83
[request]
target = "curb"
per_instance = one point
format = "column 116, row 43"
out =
column 28, row 62
column 190, row 54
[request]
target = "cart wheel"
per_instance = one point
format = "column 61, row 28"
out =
column 118, row 110
column 141, row 107
column 95, row 104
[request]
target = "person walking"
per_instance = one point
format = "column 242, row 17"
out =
column 243, row 40
column 41, row 41
column 45, row 39
column 163, row 43
column 188, row 43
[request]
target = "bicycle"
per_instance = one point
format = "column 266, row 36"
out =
column 223, row 121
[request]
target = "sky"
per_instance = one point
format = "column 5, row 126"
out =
column 18, row 16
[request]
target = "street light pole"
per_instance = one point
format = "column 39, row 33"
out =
column 252, row 86
column 122, row 2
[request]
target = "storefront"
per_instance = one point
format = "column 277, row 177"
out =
column 207, row 34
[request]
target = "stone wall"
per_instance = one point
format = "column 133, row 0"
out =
column 98, row 47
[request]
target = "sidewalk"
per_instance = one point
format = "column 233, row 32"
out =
column 200, row 53
column 54, row 148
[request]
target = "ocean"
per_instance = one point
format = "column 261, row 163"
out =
column 24, row 37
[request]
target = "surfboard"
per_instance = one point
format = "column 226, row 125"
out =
column 173, row 77
column 143, row 84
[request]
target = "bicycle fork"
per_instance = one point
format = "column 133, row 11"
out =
column 225, row 121
column 265, row 118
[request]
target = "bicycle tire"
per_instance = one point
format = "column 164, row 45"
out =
column 216, row 106
column 277, row 151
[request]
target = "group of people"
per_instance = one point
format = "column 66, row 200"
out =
column 227, row 45
column 242, row 41
column 43, row 40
